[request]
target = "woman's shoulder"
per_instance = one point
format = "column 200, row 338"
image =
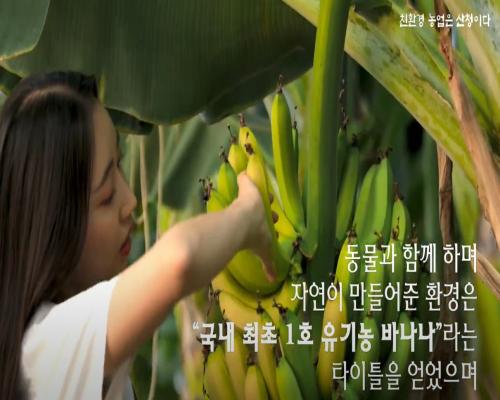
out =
column 64, row 344
column 63, row 316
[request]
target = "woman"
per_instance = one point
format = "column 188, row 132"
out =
column 72, row 313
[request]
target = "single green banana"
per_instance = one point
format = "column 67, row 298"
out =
column 395, row 250
column 363, row 206
column 285, row 162
column 224, row 282
column 376, row 219
column 289, row 248
column 237, row 157
column 282, row 224
column 412, row 272
column 216, row 380
column 233, row 309
column 346, row 196
column 255, row 387
column 367, row 357
column 298, row 356
column 266, row 359
column 344, row 276
column 375, row 280
column 402, row 356
column 227, row 184
column 283, row 298
column 336, row 314
column 216, row 202
column 237, row 364
column 214, row 313
column 288, row 387
column 401, row 218
column 396, row 278
column 256, row 171
column 247, row 269
column 247, row 138
column 387, row 197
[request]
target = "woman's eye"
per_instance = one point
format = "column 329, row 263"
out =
column 109, row 199
column 119, row 163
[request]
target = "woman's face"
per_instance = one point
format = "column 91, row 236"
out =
column 110, row 222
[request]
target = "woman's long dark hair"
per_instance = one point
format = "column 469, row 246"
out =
column 46, row 148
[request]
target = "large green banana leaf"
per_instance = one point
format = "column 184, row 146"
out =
column 161, row 61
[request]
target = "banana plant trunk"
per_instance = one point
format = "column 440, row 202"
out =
column 323, row 125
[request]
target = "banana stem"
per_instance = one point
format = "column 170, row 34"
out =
column 324, row 122
column 154, row 347
column 159, row 174
column 144, row 191
column 132, row 149
column 147, row 240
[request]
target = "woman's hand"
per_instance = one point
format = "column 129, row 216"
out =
column 258, row 236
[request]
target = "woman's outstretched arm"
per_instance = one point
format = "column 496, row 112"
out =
column 183, row 260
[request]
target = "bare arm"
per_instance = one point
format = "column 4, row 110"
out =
column 183, row 260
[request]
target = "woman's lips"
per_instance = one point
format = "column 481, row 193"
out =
column 125, row 249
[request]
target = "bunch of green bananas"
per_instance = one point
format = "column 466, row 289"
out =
column 245, row 276
column 245, row 294
column 279, row 369
column 379, row 217
column 245, row 155
column 374, row 215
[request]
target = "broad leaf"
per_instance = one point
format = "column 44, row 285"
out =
column 165, row 61
column 21, row 22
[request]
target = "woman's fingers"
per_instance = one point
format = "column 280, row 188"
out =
column 261, row 237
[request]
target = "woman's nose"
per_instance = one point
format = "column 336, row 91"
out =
column 129, row 205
